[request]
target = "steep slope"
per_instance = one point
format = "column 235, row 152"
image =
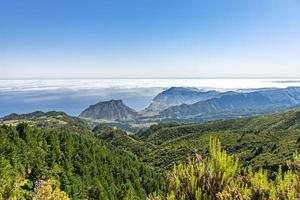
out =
column 110, row 110
column 81, row 165
column 177, row 96
column 235, row 105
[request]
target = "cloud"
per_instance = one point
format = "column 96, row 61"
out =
column 94, row 85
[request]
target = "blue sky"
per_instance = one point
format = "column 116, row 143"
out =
column 149, row 38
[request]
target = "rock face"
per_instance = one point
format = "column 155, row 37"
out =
column 114, row 110
column 177, row 96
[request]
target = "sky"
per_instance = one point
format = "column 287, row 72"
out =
column 149, row 38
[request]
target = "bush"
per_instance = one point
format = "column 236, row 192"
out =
column 220, row 177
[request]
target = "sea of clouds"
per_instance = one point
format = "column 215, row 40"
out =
column 79, row 84
column 73, row 95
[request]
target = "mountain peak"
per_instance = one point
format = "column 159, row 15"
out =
column 177, row 96
column 116, row 101
column 112, row 101
column 109, row 110
column 172, row 90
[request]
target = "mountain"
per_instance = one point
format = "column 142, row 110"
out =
column 113, row 110
column 177, row 96
column 59, row 121
column 210, row 105
column 235, row 105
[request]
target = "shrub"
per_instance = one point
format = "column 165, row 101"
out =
column 220, row 177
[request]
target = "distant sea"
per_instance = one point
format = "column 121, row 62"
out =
column 73, row 95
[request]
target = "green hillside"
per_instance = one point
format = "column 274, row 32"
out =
column 263, row 141
column 219, row 176
column 123, row 140
column 58, row 121
column 81, row 161
column 81, row 166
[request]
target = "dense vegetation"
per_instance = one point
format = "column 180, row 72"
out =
column 220, row 177
column 122, row 140
column 263, row 141
column 56, row 155
column 58, row 121
column 35, row 162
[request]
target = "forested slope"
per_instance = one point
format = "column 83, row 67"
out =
column 81, row 166
column 108, row 163
column 263, row 141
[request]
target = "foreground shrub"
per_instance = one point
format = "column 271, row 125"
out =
column 48, row 190
column 220, row 177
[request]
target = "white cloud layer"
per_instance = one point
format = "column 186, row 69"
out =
column 92, row 84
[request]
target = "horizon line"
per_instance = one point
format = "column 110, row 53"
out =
column 104, row 78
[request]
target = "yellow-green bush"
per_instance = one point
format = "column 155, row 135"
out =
column 48, row 190
column 220, row 177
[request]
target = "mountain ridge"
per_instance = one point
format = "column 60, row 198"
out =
column 259, row 102
column 216, row 105
column 177, row 96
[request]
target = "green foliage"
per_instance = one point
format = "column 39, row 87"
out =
column 83, row 166
column 122, row 140
column 106, row 163
column 265, row 141
column 53, row 120
column 220, row 177
column 48, row 190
